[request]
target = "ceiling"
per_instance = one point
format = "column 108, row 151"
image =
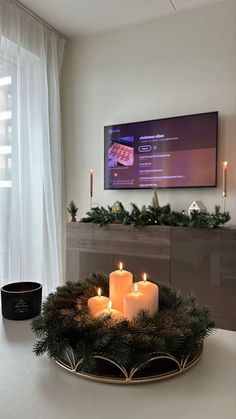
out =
column 76, row 18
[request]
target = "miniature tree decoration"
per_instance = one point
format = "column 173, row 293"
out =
column 72, row 209
column 155, row 202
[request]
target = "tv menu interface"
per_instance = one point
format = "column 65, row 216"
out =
column 164, row 153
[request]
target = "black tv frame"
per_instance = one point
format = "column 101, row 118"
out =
column 161, row 119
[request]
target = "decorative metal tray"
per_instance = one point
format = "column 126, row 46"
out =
column 158, row 367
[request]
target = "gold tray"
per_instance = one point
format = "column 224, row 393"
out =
column 158, row 367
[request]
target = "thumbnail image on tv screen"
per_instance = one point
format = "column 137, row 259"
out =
column 178, row 152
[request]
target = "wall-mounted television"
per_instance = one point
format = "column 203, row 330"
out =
column 176, row 152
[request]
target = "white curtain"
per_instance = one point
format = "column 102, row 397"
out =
column 30, row 150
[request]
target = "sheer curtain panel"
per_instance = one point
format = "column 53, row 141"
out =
column 30, row 150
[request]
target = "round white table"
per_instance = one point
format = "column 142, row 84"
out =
column 37, row 388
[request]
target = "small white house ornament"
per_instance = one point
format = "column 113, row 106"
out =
column 116, row 207
column 197, row 206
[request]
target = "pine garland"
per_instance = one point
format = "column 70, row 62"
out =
column 178, row 328
column 156, row 216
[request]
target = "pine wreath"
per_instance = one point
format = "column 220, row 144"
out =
column 178, row 328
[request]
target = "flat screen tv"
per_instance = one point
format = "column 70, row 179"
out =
column 177, row 152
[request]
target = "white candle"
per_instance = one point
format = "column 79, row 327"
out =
column 120, row 284
column 225, row 168
column 110, row 311
column 97, row 303
column 133, row 302
column 91, row 183
column 151, row 290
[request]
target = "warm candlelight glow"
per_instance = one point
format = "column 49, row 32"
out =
column 120, row 284
column 135, row 301
column 109, row 311
column 109, row 306
column 151, row 291
column 225, row 169
column 97, row 303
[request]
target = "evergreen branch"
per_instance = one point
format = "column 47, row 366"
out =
column 156, row 216
column 178, row 328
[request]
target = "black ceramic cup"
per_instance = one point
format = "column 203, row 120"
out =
column 21, row 300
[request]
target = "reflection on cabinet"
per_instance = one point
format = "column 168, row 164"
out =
column 198, row 261
column 91, row 248
column 204, row 262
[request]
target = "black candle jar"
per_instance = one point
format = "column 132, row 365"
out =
column 21, row 300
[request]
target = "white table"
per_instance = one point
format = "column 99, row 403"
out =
column 37, row 388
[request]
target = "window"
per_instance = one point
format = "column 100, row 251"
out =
column 30, row 150
column 6, row 83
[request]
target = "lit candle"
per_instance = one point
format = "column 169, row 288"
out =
column 120, row 284
column 97, row 303
column 225, row 168
column 133, row 302
column 110, row 311
column 91, row 183
column 151, row 290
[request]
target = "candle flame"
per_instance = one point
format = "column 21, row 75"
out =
column 225, row 164
column 91, row 171
column 109, row 306
column 121, row 266
column 99, row 292
column 135, row 287
column 145, row 277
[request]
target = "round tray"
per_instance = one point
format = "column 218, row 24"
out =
column 158, row 367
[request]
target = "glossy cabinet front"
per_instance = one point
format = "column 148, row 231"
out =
column 192, row 260
column 204, row 262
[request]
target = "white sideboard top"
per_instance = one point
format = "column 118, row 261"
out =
column 37, row 388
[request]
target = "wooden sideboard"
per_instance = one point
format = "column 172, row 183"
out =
column 191, row 260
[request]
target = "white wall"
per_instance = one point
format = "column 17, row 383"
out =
column 175, row 65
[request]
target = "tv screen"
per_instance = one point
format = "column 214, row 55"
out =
column 177, row 152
